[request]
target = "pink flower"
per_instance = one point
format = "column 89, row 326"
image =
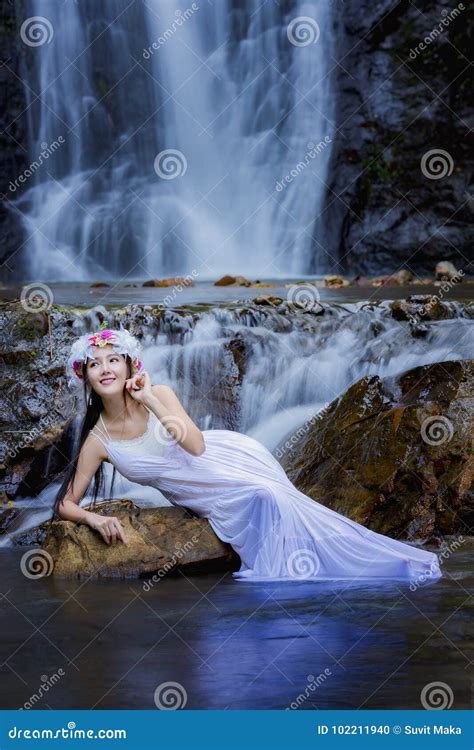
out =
column 77, row 366
column 107, row 334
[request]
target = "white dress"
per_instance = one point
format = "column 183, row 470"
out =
column 278, row 532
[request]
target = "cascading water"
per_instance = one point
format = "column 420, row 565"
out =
column 263, row 373
column 240, row 95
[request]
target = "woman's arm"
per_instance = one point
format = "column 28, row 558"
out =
column 166, row 405
column 91, row 456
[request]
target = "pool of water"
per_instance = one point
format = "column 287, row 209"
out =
column 205, row 293
column 228, row 644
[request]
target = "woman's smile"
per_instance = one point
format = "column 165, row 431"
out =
column 107, row 380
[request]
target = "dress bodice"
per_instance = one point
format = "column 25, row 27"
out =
column 153, row 442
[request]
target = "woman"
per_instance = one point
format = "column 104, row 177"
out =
column 224, row 476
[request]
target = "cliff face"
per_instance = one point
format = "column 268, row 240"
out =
column 13, row 149
column 402, row 83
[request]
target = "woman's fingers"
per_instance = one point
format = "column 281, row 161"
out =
column 105, row 534
column 121, row 532
column 136, row 382
column 112, row 530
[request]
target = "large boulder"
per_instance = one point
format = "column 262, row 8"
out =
column 395, row 454
column 160, row 541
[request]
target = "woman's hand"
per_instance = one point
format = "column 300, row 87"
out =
column 109, row 527
column 139, row 386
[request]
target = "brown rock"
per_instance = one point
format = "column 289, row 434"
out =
column 395, row 455
column 232, row 281
column 160, row 541
column 384, row 281
column 171, row 281
column 422, row 307
column 402, row 277
column 446, row 270
column 225, row 281
column 267, row 299
column 264, row 284
column 336, row 281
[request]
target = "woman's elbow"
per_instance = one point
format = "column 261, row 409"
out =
column 200, row 448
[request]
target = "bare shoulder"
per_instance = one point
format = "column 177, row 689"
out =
column 93, row 449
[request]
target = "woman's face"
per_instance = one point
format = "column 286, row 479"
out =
column 107, row 371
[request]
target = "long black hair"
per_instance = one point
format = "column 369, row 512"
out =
column 94, row 407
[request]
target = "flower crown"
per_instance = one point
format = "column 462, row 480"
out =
column 122, row 341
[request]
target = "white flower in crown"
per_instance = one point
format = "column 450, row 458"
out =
column 122, row 341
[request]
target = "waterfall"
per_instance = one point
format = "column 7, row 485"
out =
column 190, row 139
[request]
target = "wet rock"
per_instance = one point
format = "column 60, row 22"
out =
column 98, row 284
column 172, row 281
column 228, row 280
column 420, row 308
column 161, row 541
column 446, row 270
column 335, row 282
column 402, row 277
column 396, row 454
column 267, row 299
column 384, row 281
